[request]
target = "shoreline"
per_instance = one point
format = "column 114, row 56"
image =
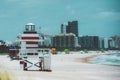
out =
column 89, row 58
column 86, row 59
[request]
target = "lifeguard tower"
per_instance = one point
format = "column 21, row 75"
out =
column 32, row 57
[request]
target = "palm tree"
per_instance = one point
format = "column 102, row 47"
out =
column 2, row 42
column 3, row 47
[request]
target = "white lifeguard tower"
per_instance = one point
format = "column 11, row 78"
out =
column 32, row 57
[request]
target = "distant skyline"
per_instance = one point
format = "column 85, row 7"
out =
column 95, row 17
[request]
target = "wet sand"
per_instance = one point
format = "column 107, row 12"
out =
column 86, row 59
column 64, row 67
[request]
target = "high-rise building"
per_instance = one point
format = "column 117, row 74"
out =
column 62, row 41
column 89, row 42
column 72, row 27
column 111, row 43
column 116, row 40
column 63, row 28
column 107, row 43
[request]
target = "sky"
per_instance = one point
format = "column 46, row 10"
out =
column 95, row 17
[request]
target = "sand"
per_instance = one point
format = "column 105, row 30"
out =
column 64, row 67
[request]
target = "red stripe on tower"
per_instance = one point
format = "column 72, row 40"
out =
column 31, row 42
column 30, row 32
column 31, row 47
column 23, row 38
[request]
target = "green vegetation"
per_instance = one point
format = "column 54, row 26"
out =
column 3, row 49
column 66, row 51
column 85, row 50
column 3, row 53
column 102, row 50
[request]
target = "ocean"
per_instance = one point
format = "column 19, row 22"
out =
column 108, row 59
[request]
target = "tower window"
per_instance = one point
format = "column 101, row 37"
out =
column 27, row 28
column 33, row 28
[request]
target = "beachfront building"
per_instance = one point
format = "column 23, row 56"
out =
column 107, row 43
column 111, row 43
column 63, row 28
column 88, row 42
column 46, row 39
column 71, row 27
column 47, row 42
column 116, row 40
column 62, row 41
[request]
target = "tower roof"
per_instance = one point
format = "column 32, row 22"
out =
column 30, row 24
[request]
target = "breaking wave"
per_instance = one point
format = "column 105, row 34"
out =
column 108, row 59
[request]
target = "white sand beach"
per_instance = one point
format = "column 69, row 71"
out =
column 64, row 67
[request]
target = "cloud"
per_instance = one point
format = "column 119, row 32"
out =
column 107, row 14
column 26, row 3
column 68, row 7
column 70, row 10
column 30, row 2
column 111, row 15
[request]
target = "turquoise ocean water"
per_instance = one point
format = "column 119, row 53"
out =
column 108, row 59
